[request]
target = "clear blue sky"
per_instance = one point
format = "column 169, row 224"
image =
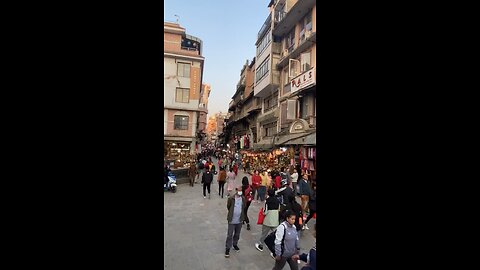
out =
column 228, row 30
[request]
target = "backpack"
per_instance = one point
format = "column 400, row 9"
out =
column 248, row 194
column 270, row 241
column 279, row 198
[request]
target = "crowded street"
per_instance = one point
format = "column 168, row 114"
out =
column 195, row 229
column 240, row 136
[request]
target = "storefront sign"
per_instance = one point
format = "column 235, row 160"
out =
column 303, row 80
column 299, row 126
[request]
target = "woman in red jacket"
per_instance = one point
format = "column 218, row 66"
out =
column 278, row 180
column 235, row 168
column 256, row 182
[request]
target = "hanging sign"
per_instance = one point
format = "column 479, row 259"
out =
column 303, row 80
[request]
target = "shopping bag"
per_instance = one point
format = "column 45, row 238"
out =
column 261, row 216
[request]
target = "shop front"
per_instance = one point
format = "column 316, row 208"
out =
column 178, row 153
column 301, row 142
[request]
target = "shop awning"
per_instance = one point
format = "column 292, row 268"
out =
column 265, row 145
column 297, row 139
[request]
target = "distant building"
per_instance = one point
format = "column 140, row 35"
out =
column 202, row 119
column 215, row 126
column 183, row 65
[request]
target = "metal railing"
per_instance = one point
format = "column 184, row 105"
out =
column 265, row 26
column 189, row 48
column 279, row 16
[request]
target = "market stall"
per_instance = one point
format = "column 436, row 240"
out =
column 177, row 154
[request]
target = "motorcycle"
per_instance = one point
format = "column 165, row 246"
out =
column 171, row 184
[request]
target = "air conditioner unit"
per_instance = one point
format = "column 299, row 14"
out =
column 308, row 34
column 285, row 52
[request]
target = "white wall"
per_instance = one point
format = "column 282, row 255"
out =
column 171, row 82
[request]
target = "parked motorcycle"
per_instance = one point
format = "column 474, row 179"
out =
column 172, row 183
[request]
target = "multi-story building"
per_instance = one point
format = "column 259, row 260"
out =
column 202, row 118
column 267, row 81
column 244, row 107
column 183, row 65
column 295, row 25
column 215, row 126
column 283, row 83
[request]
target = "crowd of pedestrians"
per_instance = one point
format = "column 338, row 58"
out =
column 284, row 218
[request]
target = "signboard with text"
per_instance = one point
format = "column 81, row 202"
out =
column 303, row 80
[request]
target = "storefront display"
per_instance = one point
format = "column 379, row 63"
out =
column 307, row 157
column 177, row 154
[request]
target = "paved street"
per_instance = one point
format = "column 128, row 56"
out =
column 195, row 233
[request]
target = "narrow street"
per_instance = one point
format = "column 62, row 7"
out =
column 195, row 231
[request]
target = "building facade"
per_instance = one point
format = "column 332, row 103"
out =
column 215, row 127
column 244, row 109
column 183, row 72
column 282, row 113
column 202, row 118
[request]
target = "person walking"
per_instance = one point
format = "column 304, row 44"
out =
column 236, row 214
column 270, row 222
column 311, row 257
column 286, row 243
column 231, row 185
column 305, row 192
column 294, row 177
column 220, row 162
column 269, row 174
column 247, row 193
column 296, row 208
column 235, row 168
column 256, row 182
column 284, row 191
column 312, row 206
column 207, row 179
column 222, row 177
column 192, row 173
column 263, row 186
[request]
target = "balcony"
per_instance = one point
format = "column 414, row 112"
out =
column 271, row 114
column 265, row 27
column 296, row 51
column 285, row 23
column 279, row 16
column 241, row 84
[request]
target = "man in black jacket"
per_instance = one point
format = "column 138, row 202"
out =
column 207, row 179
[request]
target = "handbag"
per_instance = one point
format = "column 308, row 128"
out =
column 261, row 216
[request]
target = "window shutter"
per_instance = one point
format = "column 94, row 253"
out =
column 283, row 114
column 293, row 68
column 291, row 109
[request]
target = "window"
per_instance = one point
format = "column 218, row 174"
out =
column 286, row 78
column 305, row 61
column 305, row 26
column 264, row 43
column 304, row 108
column 262, row 70
column 290, row 41
column 271, row 102
column 270, row 129
column 308, row 22
column 183, row 70
column 182, row 95
column 180, row 122
column 283, row 113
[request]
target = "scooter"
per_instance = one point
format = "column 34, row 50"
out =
column 171, row 184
